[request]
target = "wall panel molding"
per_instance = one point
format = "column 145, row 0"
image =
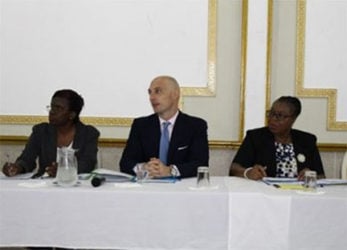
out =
column 111, row 142
column 301, row 90
column 205, row 87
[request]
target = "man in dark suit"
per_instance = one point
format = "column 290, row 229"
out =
column 188, row 143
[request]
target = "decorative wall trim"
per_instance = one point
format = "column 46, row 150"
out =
column 212, row 57
column 269, row 56
column 243, row 79
column 330, row 94
column 16, row 119
column 108, row 142
column 244, row 66
column 209, row 90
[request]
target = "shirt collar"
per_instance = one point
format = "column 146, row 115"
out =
column 172, row 120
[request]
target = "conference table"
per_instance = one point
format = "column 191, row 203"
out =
column 234, row 213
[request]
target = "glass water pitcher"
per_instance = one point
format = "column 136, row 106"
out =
column 67, row 167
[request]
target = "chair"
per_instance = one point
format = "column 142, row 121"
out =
column 344, row 167
column 98, row 159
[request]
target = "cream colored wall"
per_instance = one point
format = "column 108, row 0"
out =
column 314, row 117
column 226, row 98
column 223, row 111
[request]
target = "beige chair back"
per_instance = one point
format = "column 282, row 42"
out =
column 344, row 167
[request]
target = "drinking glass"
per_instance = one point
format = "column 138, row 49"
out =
column 310, row 180
column 203, row 177
column 141, row 173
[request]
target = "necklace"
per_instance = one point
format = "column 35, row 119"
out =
column 286, row 139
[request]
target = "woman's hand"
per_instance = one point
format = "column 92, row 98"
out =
column 52, row 170
column 257, row 172
column 11, row 169
column 301, row 175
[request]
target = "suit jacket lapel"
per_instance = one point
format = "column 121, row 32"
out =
column 52, row 143
column 176, row 132
column 155, row 131
column 270, row 151
column 49, row 149
column 298, row 149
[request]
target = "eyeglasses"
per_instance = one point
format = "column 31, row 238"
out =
column 277, row 116
column 55, row 108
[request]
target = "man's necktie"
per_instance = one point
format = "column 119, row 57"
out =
column 164, row 142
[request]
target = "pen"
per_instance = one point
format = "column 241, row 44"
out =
column 267, row 183
column 270, row 184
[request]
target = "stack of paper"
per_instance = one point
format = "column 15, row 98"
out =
column 113, row 176
column 330, row 182
column 284, row 183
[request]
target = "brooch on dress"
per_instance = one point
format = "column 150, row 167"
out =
column 301, row 158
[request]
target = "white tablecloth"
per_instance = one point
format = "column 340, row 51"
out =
column 264, row 217
column 238, row 215
column 152, row 216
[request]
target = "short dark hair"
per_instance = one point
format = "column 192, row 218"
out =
column 293, row 102
column 75, row 101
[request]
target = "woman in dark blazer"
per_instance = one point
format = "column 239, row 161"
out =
column 63, row 130
column 278, row 150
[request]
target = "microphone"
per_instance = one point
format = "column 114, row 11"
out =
column 97, row 181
